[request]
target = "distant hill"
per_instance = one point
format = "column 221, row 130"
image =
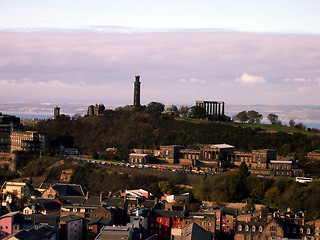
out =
column 307, row 114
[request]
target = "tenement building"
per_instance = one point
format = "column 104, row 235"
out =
column 27, row 141
column 8, row 124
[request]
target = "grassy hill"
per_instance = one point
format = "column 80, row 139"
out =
column 267, row 127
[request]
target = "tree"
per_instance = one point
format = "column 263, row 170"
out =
column 198, row 112
column 165, row 187
column 184, row 111
column 301, row 126
column 292, row 123
column 244, row 170
column 241, row 116
column 155, row 108
column 254, row 117
column 273, row 118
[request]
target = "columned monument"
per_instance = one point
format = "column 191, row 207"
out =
column 136, row 97
column 211, row 107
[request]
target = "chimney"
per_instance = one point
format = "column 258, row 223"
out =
column 87, row 195
column 101, row 196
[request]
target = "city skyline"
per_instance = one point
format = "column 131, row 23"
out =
column 266, row 53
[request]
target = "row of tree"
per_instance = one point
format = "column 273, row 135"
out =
column 255, row 117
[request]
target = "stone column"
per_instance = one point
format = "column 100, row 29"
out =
column 223, row 108
column 219, row 108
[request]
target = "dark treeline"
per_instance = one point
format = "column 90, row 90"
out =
column 144, row 129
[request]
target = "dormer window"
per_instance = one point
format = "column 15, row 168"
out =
column 308, row 231
column 240, row 228
column 260, row 229
column 301, row 230
column 253, row 228
column 247, row 228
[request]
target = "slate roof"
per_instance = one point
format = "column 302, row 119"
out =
column 71, row 200
column 146, row 203
column 92, row 201
column 43, row 233
column 116, row 202
column 68, row 189
column 50, row 220
column 194, row 232
column 168, row 214
column 70, row 218
column 99, row 220
column 45, row 204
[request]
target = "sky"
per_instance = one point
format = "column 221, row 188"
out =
column 240, row 52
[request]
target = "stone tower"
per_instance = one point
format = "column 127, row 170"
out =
column 136, row 99
column 56, row 112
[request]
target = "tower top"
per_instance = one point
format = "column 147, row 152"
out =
column 137, row 78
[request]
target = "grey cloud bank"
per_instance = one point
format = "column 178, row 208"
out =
column 175, row 67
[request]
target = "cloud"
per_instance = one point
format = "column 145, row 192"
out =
column 192, row 80
column 175, row 67
column 298, row 80
column 247, row 79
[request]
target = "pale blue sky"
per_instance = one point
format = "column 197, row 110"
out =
column 289, row 16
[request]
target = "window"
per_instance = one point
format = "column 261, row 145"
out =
column 160, row 219
column 260, row 228
column 301, row 230
column 272, row 228
column 288, row 230
column 294, row 230
column 240, row 228
column 253, row 228
column 247, row 228
column 209, row 224
column 308, row 231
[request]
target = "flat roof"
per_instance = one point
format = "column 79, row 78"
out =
column 275, row 161
column 138, row 154
column 223, row 145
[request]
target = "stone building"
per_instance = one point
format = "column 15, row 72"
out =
column 212, row 108
column 28, row 141
column 56, row 112
column 138, row 158
column 314, row 155
column 96, row 110
column 279, row 226
column 216, row 157
column 8, row 124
